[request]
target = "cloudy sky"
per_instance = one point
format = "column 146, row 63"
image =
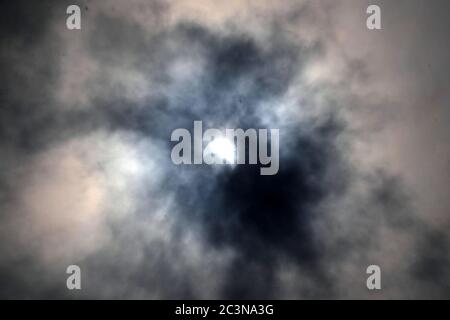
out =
column 86, row 176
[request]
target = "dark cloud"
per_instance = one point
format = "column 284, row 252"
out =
column 86, row 176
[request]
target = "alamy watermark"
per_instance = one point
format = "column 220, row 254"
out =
column 227, row 147
column 374, row 280
column 73, row 21
column 73, row 281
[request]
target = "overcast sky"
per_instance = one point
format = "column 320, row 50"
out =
column 86, row 176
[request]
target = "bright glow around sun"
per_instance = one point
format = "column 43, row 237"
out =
column 222, row 148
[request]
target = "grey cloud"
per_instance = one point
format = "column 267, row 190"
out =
column 86, row 173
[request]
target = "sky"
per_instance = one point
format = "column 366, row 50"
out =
column 86, row 176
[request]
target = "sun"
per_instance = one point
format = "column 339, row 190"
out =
column 223, row 149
